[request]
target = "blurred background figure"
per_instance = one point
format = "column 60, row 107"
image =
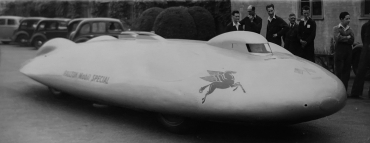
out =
column 307, row 33
column 276, row 26
column 252, row 22
column 344, row 38
column 358, row 84
column 291, row 40
column 234, row 25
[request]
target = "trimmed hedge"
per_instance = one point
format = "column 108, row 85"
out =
column 176, row 23
column 146, row 21
column 204, row 22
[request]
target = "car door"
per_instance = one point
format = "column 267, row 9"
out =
column 3, row 27
column 115, row 28
column 56, row 29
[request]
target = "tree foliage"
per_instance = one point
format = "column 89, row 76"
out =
column 125, row 10
column 175, row 22
column 146, row 21
column 204, row 22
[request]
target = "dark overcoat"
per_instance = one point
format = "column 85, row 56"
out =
column 291, row 41
column 307, row 32
column 276, row 26
column 254, row 26
column 230, row 27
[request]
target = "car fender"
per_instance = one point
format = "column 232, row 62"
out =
column 37, row 35
column 15, row 36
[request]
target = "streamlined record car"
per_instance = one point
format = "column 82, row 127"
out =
column 234, row 77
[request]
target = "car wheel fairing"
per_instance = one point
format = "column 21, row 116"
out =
column 38, row 42
column 175, row 124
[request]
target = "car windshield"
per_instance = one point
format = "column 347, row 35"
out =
column 258, row 48
column 28, row 24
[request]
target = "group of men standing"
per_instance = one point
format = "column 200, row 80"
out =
column 298, row 38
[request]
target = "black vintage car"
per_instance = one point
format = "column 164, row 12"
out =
column 49, row 28
column 93, row 27
column 25, row 30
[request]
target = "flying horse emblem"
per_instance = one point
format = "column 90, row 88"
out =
column 221, row 80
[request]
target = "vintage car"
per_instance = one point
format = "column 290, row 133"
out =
column 234, row 77
column 93, row 27
column 72, row 25
column 25, row 30
column 49, row 28
column 8, row 24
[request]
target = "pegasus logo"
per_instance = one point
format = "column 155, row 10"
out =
column 221, row 80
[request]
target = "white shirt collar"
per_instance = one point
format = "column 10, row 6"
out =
column 345, row 28
column 305, row 21
column 236, row 23
column 269, row 18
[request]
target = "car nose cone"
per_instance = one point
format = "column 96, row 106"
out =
column 330, row 105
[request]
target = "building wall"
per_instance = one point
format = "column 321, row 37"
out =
column 331, row 11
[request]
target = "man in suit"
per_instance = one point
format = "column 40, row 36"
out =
column 344, row 38
column 252, row 22
column 234, row 25
column 358, row 84
column 276, row 26
column 291, row 40
column 307, row 33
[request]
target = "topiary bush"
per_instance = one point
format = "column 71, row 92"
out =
column 146, row 21
column 204, row 22
column 176, row 23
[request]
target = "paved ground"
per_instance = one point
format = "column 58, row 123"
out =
column 30, row 114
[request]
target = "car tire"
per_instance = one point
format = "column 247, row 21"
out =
column 5, row 42
column 38, row 42
column 176, row 124
column 21, row 38
column 55, row 92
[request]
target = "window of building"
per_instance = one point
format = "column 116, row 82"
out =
column 316, row 8
column 365, row 8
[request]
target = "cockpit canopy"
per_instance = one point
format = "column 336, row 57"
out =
column 242, row 41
